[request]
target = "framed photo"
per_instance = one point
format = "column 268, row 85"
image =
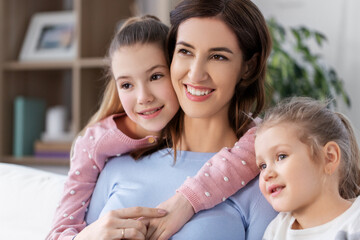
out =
column 50, row 36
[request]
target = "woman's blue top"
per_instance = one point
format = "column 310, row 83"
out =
column 126, row 182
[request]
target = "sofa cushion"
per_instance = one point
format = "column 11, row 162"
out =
column 28, row 201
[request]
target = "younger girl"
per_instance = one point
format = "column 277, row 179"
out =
column 309, row 171
column 140, row 85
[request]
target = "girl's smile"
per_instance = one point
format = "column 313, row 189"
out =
column 290, row 179
column 143, row 81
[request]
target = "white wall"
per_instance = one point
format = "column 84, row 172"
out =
column 339, row 21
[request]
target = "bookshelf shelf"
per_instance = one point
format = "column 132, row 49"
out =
column 76, row 84
column 20, row 66
column 29, row 160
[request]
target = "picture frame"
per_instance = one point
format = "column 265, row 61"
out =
column 50, row 36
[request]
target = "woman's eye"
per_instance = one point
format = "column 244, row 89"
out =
column 219, row 57
column 184, row 51
column 262, row 166
column 156, row 76
column 281, row 157
column 126, row 86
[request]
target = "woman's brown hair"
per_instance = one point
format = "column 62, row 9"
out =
column 249, row 25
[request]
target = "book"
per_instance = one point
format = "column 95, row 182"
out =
column 52, row 154
column 29, row 122
column 41, row 146
column 52, row 149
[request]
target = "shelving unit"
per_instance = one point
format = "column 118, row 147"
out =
column 77, row 83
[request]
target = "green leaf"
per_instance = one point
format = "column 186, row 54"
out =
column 287, row 77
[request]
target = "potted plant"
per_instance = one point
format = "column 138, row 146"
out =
column 294, row 70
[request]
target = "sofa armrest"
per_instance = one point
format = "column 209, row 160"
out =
column 28, row 201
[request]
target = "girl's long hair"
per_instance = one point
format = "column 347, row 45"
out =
column 249, row 25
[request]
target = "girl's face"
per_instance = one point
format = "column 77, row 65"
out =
column 144, row 87
column 206, row 66
column 290, row 180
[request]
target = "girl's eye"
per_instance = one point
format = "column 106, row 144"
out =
column 156, row 76
column 262, row 166
column 281, row 157
column 219, row 57
column 126, row 86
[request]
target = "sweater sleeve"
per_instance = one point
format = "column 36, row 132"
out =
column 223, row 175
column 91, row 151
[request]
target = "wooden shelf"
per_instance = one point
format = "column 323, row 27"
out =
column 76, row 84
column 53, row 65
column 16, row 66
column 36, row 161
column 92, row 62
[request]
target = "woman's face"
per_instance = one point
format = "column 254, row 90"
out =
column 144, row 87
column 206, row 66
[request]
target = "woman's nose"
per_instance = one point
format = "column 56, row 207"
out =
column 197, row 71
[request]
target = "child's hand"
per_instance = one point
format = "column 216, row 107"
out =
column 179, row 212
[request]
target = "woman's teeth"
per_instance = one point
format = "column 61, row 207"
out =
column 197, row 92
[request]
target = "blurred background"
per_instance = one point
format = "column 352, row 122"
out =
column 316, row 53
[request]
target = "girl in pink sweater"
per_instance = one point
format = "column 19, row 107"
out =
column 137, row 104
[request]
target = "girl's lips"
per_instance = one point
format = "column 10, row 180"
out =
column 275, row 190
column 197, row 94
column 150, row 113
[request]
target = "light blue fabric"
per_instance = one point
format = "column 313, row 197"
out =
column 151, row 180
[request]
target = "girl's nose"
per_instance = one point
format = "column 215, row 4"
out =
column 145, row 96
column 268, row 173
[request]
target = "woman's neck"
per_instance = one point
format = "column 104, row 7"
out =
column 204, row 135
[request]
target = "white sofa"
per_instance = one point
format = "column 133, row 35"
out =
column 28, row 199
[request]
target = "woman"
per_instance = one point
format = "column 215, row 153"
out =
column 218, row 51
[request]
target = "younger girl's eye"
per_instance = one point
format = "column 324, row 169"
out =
column 281, row 157
column 156, row 76
column 219, row 57
column 262, row 166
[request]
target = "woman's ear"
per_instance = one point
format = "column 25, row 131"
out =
column 332, row 156
column 250, row 66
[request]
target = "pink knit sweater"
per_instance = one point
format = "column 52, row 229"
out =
column 224, row 174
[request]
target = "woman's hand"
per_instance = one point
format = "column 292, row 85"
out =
column 120, row 224
column 179, row 212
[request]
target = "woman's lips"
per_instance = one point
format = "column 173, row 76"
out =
column 197, row 94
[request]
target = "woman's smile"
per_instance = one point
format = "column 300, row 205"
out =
column 198, row 94
column 205, row 67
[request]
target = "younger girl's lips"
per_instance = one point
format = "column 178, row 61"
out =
column 150, row 113
column 275, row 190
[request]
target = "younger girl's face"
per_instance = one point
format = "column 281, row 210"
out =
column 143, row 81
column 290, row 179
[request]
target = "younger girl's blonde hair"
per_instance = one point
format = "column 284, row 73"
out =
column 319, row 125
